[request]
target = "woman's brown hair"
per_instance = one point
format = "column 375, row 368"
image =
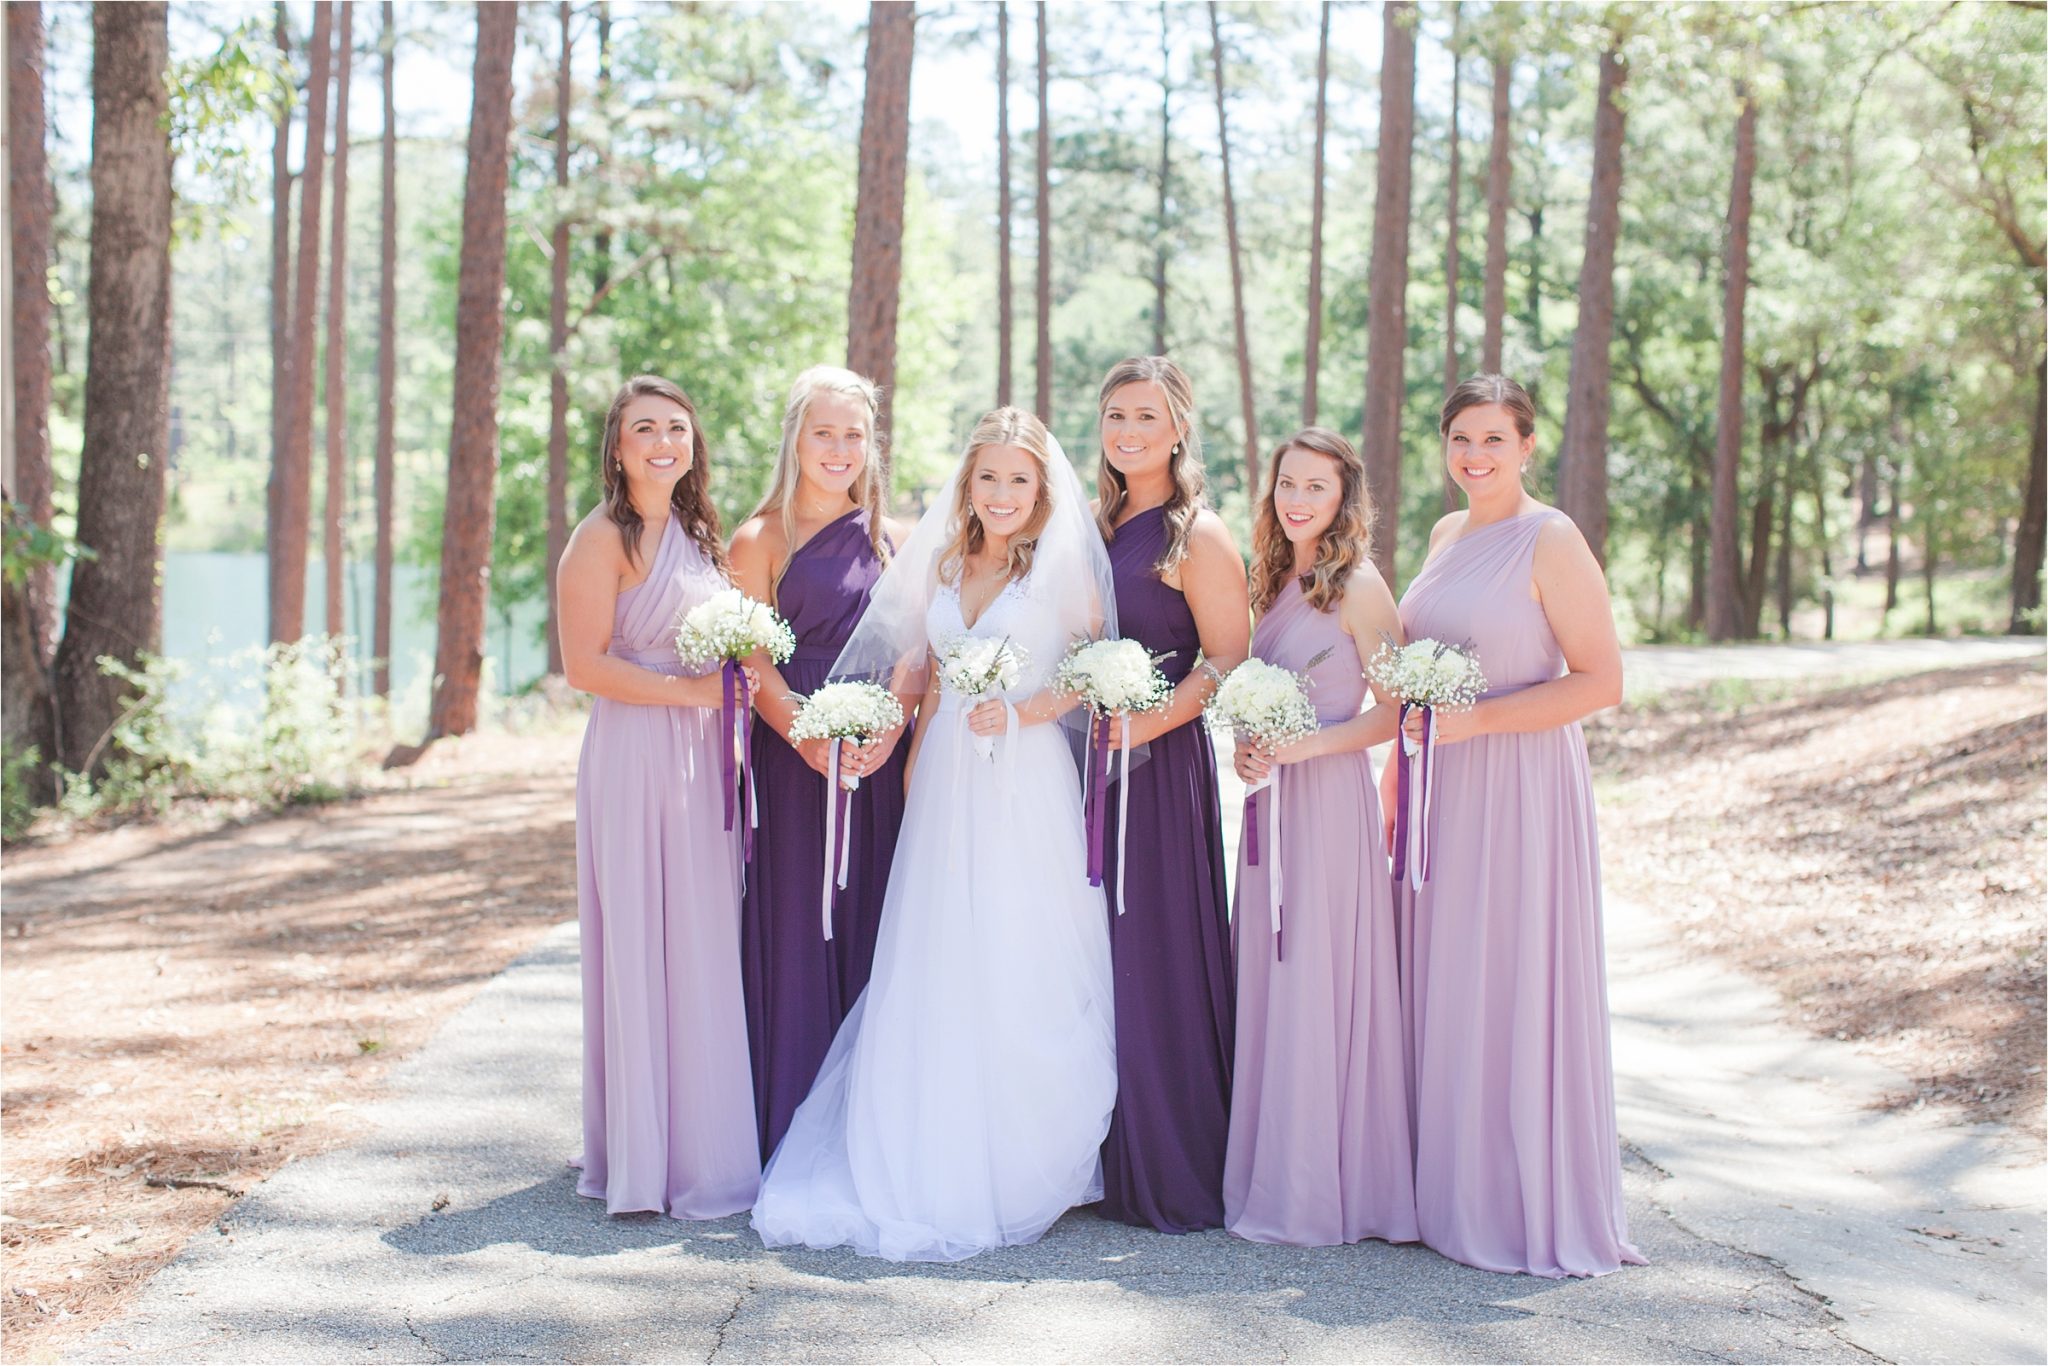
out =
column 1484, row 389
column 1344, row 545
column 691, row 496
column 1184, row 467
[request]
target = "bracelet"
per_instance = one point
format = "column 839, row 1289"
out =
column 1204, row 666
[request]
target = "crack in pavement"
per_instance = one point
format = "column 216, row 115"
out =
column 421, row 1338
column 718, row 1333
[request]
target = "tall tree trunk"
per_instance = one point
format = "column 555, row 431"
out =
column 1866, row 507
column 28, row 482
column 1823, row 542
column 1387, row 278
column 1533, row 311
column 1781, row 571
column 116, row 603
column 2028, row 540
column 1498, row 166
column 1160, row 225
column 292, row 476
column 335, row 507
column 1312, row 351
column 1247, row 399
column 479, row 331
column 878, row 212
column 387, row 365
column 1451, row 237
column 1006, row 300
column 1930, row 556
column 1582, row 453
column 1891, row 528
column 1696, row 590
column 280, row 295
column 558, row 344
column 601, row 241
column 1044, row 394
column 1724, row 582
column 1763, row 512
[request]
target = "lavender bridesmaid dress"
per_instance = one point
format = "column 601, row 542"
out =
column 798, row 985
column 667, row 1103
column 1319, row 1142
column 1517, row 1166
column 1162, row 1164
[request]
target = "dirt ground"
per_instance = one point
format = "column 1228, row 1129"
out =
column 191, row 1004
column 228, row 992
column 1873, row 850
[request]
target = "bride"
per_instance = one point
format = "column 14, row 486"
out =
column 965, row 1099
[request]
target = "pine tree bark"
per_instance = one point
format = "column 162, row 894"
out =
column 1724, row 572
column 558, row 344
column 479, row 331
column 1582, row 453
column 1006, row 300
column 1498, row 168
column 29, row 206
column 2028, row 539
column 116, row 602
column 1162, row 220
column 1312, row 349
column 1247, row 398
column 878, row 210
column 1043, row 397
column 334, row 508
column 1387, row 276
column 384, row 479
column 601, row 241
column 280, row 289
column 292, row 476
column 1451, row 237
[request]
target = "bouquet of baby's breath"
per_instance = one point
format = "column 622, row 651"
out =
column 976, row 666
column 1114, row 675
column 731, row 625
column 1427, row 673
column 1265, row 704
column 846, row 711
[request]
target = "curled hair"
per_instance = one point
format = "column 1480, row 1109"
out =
column 1344, row 545
column 872, row 494
column 690, row 498
column 1003, row 427
column 1483, row 389
column 1184, row 467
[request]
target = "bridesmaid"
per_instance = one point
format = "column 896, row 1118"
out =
column 1180, row 587
column 813, row 548
column 666, row 1096
column 1517, row 1166
column 1319, row 1142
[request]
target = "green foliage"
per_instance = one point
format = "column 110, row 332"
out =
column 277, row 735
column 28, row 544
column 17, row 795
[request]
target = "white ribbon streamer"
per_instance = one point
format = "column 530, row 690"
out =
column 1123, row 811
column 831, row 831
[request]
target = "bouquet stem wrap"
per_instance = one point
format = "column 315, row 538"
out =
column 1412, row 799
column 1252, row 851
column 838, row 835
column 1095, row 800
column 735, row 717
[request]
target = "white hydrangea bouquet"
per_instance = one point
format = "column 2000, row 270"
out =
column 729, row 625
column 1427, row 673
column 976, row 666
column 1113, row 678
column 1430, row 675
column 1265, row 704
column 838, row 712
column 724, row 629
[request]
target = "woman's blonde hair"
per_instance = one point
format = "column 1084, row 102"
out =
column 1344, row 545
column 871, row 493
column 1003, row 427
column 1184, row 467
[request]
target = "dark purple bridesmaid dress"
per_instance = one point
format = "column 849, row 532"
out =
column 799, row 986
column 1176, row 989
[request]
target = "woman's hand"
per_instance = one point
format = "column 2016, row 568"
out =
column 709, row 690
column 1253, row 765
column 989, row 717
column 1146, row 726
column 1451, row 726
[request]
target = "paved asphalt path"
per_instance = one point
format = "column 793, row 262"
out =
column 1783, row 1219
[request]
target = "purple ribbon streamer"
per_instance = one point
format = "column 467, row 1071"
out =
column 729, row 680
column 736, row 750
column 1413, row 827
column 1097, row 805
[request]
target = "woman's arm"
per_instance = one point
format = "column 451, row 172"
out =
column 1573, row 593
column 1213, row 578
column 587, row 587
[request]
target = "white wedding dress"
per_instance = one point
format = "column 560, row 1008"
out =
column 965, row 1100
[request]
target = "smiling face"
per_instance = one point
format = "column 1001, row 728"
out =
column 1138, row 434
column 654, row 442
column 1005, row 492
column 1485, row 454
column 1308, row 491
column 832, row 445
